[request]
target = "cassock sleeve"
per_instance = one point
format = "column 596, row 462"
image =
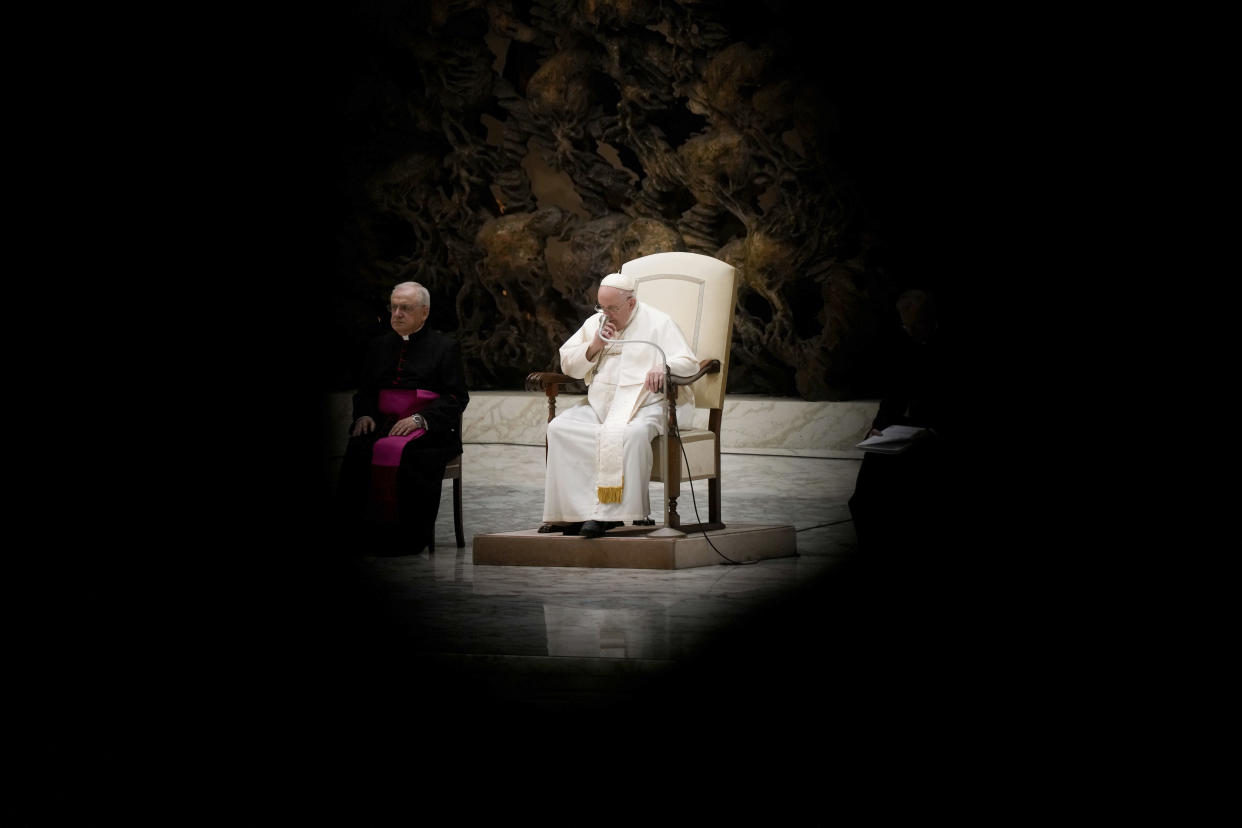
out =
column 450, row 383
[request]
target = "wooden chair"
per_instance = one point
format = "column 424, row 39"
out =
column 700, row 293
column 452, row 471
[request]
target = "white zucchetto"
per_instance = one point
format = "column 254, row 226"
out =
column 619, row 281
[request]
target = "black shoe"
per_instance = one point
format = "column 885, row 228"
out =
column 572, row 528
column 595, row 528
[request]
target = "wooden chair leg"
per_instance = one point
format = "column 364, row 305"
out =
column 713, row 499
column 457, row 524
column 672, row 490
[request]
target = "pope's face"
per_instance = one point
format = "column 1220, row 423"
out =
column 615, row 306
column 407, row 314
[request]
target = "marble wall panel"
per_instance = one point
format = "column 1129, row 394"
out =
column 751, row 424
column 796, row 427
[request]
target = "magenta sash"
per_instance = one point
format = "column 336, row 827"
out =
column 386, row 454
column 399, row 403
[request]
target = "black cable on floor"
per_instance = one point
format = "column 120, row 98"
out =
column 697, row 516
column 822, row 525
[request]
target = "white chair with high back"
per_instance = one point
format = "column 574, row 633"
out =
column 700, row 293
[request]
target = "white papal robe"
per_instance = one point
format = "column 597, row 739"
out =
column 599, row 454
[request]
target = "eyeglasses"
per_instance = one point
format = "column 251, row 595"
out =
column 402, row 308
column 609, row 309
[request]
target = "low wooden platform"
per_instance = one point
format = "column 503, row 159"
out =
column 633, row 547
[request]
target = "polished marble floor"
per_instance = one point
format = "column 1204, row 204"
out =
column 544, row 637
column 514, row 656
column 567, row 621
column 592, row 682
column 651, row 617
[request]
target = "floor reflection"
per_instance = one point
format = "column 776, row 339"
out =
column 606, row 633
column 453, row 606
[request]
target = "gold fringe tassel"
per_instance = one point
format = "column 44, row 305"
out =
column 610, row 494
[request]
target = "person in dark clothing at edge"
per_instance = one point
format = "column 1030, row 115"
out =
column 901, row 501
column 406, row 427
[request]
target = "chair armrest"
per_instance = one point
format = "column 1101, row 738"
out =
column 707, row 366
column 547, row 381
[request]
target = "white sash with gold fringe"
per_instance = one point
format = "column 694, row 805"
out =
column 610, row 455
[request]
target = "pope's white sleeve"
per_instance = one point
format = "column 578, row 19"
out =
column 574, row 360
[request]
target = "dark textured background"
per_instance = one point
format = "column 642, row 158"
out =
column 509, row 154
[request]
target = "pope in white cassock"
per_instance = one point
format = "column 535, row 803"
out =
column 599, row 454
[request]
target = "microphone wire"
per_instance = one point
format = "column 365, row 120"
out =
column 697, row 516
column 677, row 432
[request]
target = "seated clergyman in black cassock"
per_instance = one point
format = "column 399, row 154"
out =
column 406, row 426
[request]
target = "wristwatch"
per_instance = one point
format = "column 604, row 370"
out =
column 419, row 422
